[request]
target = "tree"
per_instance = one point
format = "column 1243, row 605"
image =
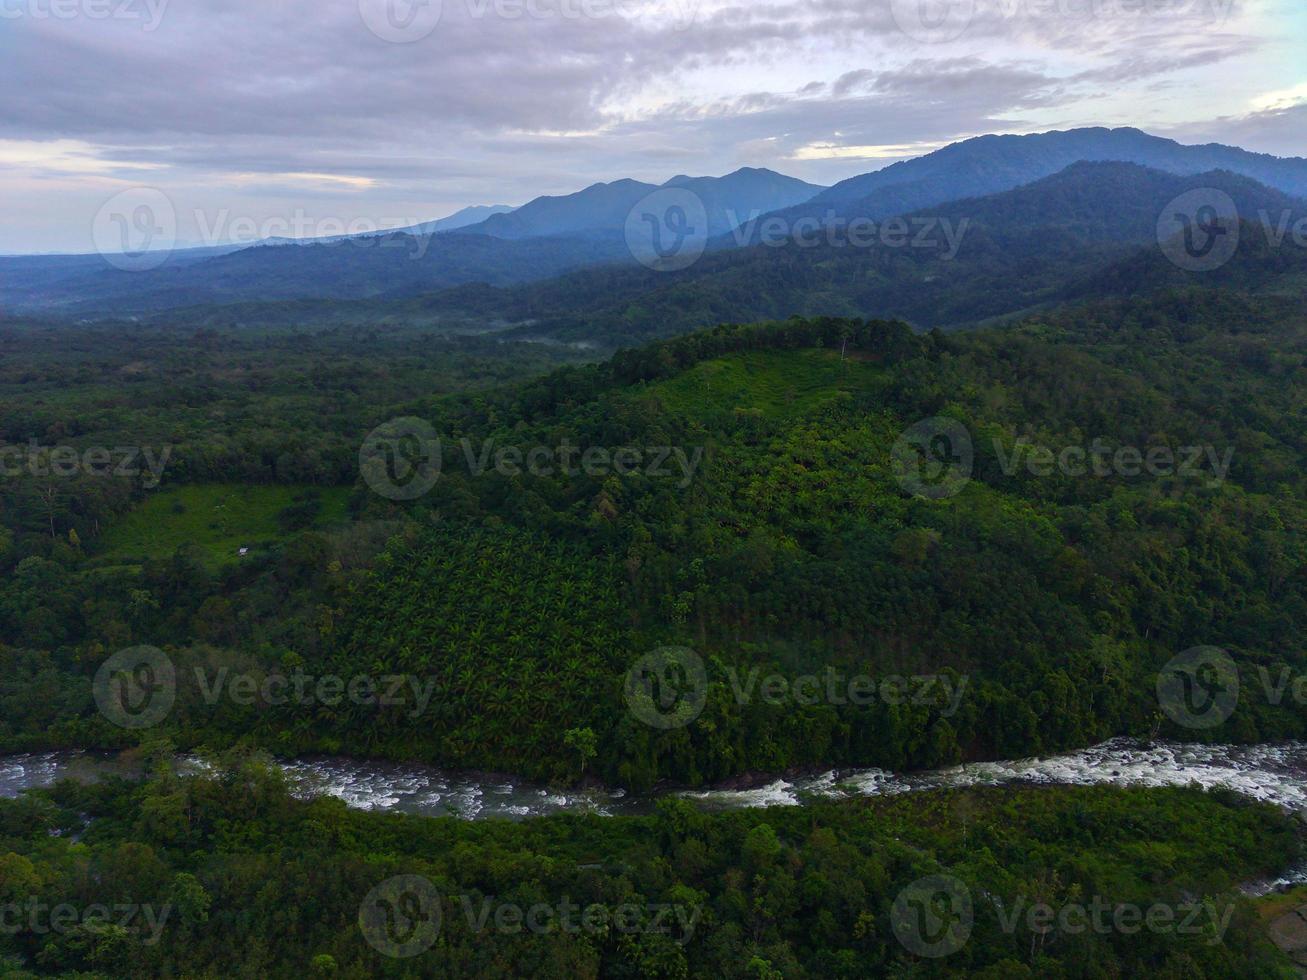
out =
column 586, row 744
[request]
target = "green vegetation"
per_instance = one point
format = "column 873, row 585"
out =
column 220, row 520
column 248, row 881
column 783, row 542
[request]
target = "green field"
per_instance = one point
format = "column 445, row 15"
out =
column 219, row 518
column 778, row 384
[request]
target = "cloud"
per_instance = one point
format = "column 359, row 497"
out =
column 259, row 105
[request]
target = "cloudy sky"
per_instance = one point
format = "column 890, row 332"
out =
column 305, row 114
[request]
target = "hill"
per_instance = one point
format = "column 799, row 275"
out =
column 990, row 164
column 381, row 266
column 1048, row 242
column 604, row 208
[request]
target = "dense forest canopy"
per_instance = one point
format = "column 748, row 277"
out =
column 230, row 875
column 1029, row 612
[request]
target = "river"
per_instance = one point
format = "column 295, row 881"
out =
column 1274, row 773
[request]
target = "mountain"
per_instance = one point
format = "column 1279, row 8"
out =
column 750, row 191
column 1088, row 231
column 1063, row 217
column 461, row 219
column 1038, row 244
column 545, row 238
column 990, row 164
column 727, row 200
column 993, row 162
column 380, row 266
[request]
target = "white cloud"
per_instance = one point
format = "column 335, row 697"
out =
column 298, row 102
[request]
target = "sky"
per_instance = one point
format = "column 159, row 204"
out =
column 308, row 117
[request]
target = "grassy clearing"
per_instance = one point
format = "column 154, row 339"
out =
column 219, row 518
column 779, row 384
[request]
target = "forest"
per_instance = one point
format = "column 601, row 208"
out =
column 521, row 598
column 231, row 875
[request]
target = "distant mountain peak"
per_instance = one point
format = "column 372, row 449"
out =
column 603, row 208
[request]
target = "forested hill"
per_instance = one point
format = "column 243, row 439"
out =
column 992, row 164
column 795, row 546
column 770, row 524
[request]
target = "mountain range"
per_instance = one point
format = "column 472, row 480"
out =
column 1050, row 241
column 1040, row 211
column 604, row 208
